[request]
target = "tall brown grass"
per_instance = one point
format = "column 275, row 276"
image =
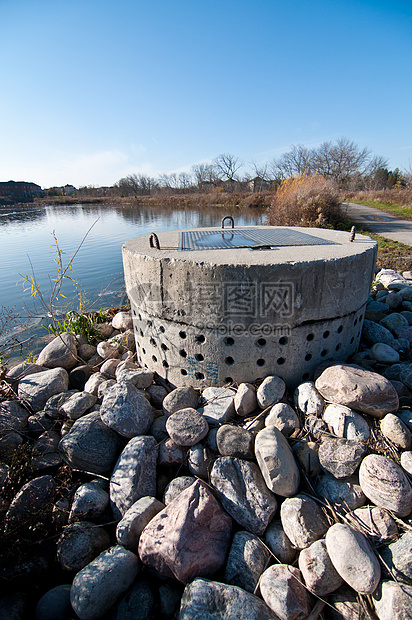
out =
column 306, row 201
column 396, row 196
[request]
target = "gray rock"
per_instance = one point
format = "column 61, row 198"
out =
column 187, row 427
column 134, row 475
column 392, row 601
column 408, row 315
column 79, row 544
column 344, row 494
column 60, row 352
column 104, row 387
column 33, row 499
column 89, row 502
column 108, row 349
column 308, row 400
column 13, row 416
column 316, row 427
column 341, row 457
column 270, row 391
column 158, row 428
column 284, row 418
column 243, row 493
column 406, row 376
column 54, row 404
column 122, row 320
column 245, row 399
column 219, row 407
column 346, row 423
column 98, row 586
column 358, row 389
column 247, row 560
column 79, row 375
column 406, row 292
column 138, row 603
column 169, row 598
column 92, row 384
column 397, row 557
column 21, row 370
column 306, row 453
column 9, row 443
column 170, row 454
column 200, row 460
column 375, row 332
column 234, row 441
column 141, row 378
column 77, row 405
column 378, row 307
column 90, row 445
column 105, row 330
column 317, row 569
column 345, row 605
column 45, row 451
column 393, row 321
column 211, row 600
column 283, row 592
column 396, row 431
column 180, row 398
column 385, row 484
column 157, row 395
column 176, row 486
column 406, row 416
column 134, row 521
column 394, row 300
column 40, row 422
column 279, row 544
column 126, row 411
column 276, row 462
column 376, row 523
column 109, row 366
column 86, row 351
column 55, row 604
column 35, row 390
column 384, row 353
column 302, row 520
column 406, row 461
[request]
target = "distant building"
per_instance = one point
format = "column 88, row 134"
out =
column 19, row 191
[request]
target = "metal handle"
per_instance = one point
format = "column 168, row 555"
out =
column 228, row 217
column 154, row 241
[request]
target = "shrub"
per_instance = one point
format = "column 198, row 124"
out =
column 306, row 201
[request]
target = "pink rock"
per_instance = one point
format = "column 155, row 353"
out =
column 189, row 538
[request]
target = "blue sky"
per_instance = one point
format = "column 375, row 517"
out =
column 93, row 90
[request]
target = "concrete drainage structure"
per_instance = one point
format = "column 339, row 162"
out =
column 212, row 306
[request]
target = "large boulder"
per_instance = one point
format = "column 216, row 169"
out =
column 276, row 461
column 60, row 352
column 36, row 389
column 125, row 410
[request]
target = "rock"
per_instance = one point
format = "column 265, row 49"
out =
column 247, row 560
column 141, row 378
column 243, row 493
column 86, row 351
column 406, row 416
column 245, row 399
column 283, row 592
column 54, row 404
column 316, row 426
column 13, row 417
column 345, row 605
column 90, row 445
column 60, row 352
column 158, row 428
column 21, row 370
column 377, row 308
column 134, row 521
column 79, row 544
column 346, row 423
column 77, row 405
column 138, row 603
column 406, row 376
column 396, row 431
column 89, row 502
column 33, row 499
column 374, row 522
column 98, row 586
column 108, row 349
column 397, row 557
column 180, row 398
column 234, row 441
column 344, row 494
column 92, row 384
column 270, row 391
column 392, row 601
column 394, row 300
column 189, row 538
column 308, row 400
column 408, row 316
column 389, row 276
column 317, row 569
column 126, row 411
column 79, row 376
column 302, row 520
column 176, row 486
column 134, row 475
column 40, row 422
column 200, row 460
column 122, row 321
column 276, row 462
column 35, row 390
column 384, row 354
column 283, row 417
column 219, row 407
column 306, row 452
column 45, row 451
column 218, row 601
column 104, row 387
column 341, row 457
column 406, row 461
column 373, row 332
column 105, row 330
column 353, row 558
column 55, row 604
column 9, row 443
column 385, row 484
column 109, row 366
column 187, row 427
column 393, row 321
column 279, row 544
column 170, row 454
column 157, row 395
column 359, row 389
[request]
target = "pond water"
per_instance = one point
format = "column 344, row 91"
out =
column 27, row 248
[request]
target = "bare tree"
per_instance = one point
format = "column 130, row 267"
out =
column 227, row 165
column 204, row 174
column 340, row 160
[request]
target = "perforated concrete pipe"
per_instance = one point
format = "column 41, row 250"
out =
column 208, row 310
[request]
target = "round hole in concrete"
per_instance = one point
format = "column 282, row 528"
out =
column 134, row 313
column 154, row 358
column 143, row 350
column 183, row 372
column 326, row 334
column 228, row 380
column 352, row 340
column 310, row 337
column 165, row 364
column 199, row 357
column 280, row 361
column 308, row 357
column 283, row 340
column 142, row 334
column 355, row 322
column 324, row 352
column 199, row 375
column 182, row 353
column 260, row 362
column 337, row 347
column 340, row 329
column 305, row 376
column 162, row 329
column 182, row 334
column 229, row 341
column 140, row 317
column 153, row 342
column 200, row 338
column 164, row 347
column 261, row 342
column 229, row 361
column 149, row 323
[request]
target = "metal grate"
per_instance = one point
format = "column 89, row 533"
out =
column 218, row 238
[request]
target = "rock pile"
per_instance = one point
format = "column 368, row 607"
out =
column 244, row 502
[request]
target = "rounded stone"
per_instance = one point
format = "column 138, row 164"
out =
column 406, row 461
column 374, row 522
column 302, row 520
column 283, row 592
column 36, row 389
column 245, row 399
column 308, row 400
column 353, row 558
column 270, row 391
column 340, row 457
column 346, row 423
column 392, row 601
column 234, row 441
column 385, row 484
column 276, row 461
column 346, row 493
column 187, row 427
column 384, row 354
column 284, row 418
column 79, row 544
column 180, row 398
column 279, row 544
column 317, row 569
column 60, row 352
column 393, row 321
column 247, row 559
column 176, row 486
column 125, row 410
column 396, row 431
column 55, row 604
